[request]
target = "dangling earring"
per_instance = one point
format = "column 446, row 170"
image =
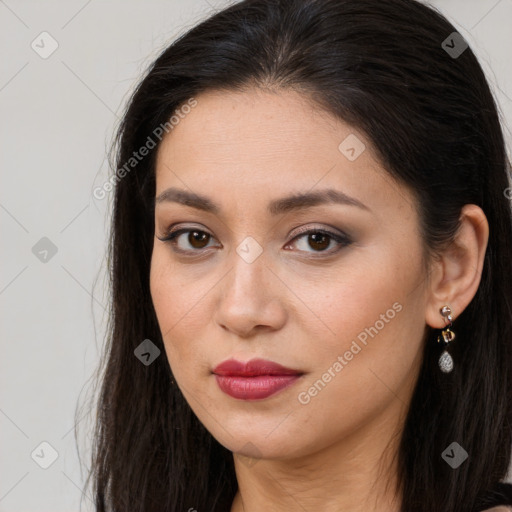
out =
column 447, row 335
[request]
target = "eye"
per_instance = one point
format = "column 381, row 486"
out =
column 194, row 242
column 318, row 239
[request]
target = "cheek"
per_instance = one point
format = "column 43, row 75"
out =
column 372, row 359
column 374, row 318
column 369, row 293
column 179, row 301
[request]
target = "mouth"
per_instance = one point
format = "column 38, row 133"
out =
column 254, row 380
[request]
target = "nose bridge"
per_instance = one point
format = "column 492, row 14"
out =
column 249, row 262
column 248, row 297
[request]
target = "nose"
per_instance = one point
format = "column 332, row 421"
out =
column 252, row 298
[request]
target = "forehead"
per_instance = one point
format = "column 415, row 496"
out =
column 243, row 146
column 254, row 125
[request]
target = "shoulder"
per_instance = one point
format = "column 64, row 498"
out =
column 498, row 509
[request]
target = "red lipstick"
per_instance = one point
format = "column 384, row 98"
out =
column 254, row 380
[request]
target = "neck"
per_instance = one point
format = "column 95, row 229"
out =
column 358, row 473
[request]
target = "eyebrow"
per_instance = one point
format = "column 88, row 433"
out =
column 275, row 207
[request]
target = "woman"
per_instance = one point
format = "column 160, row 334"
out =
column 311, row 239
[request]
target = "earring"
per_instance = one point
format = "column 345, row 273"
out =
column 447, row 335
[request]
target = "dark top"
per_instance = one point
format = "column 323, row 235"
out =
column 500, row 495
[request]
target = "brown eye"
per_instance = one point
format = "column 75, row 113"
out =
column 197, row 239
column 194, row 242
column 319, row 241
column 312, row 241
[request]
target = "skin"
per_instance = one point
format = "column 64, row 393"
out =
column 296, row 304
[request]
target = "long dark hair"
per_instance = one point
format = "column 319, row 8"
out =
column 385, row 68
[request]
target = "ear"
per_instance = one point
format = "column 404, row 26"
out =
column 455, row 277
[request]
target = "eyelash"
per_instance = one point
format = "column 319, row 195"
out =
column 343, row 241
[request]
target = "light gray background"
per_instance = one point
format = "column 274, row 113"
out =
column 57, row 119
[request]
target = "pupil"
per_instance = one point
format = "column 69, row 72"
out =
column 319, row 245
column 196, row 237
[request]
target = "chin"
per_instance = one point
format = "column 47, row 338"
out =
column 258, row 444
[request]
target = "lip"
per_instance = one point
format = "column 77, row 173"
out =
column 255, row 379
column 252, row 368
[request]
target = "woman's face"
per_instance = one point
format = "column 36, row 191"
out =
column 343, row 306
